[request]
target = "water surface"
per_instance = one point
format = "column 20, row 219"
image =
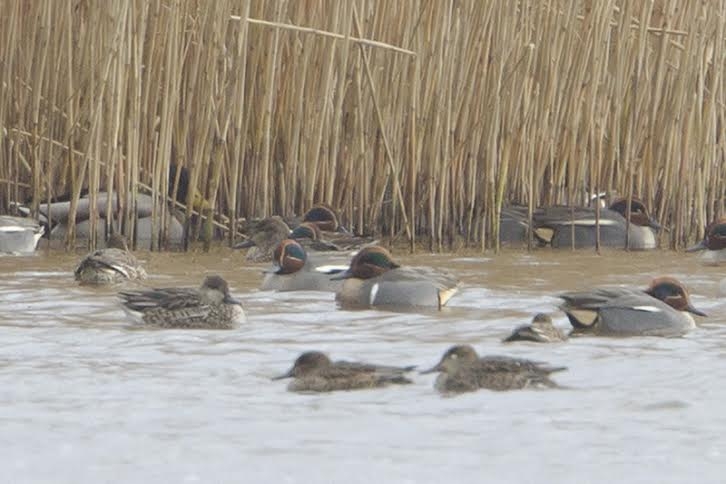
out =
column 88, row 398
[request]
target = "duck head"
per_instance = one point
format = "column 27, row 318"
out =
column 370, row 262
column 267, row 232
column 289, row 257
column 216, row 290
column 715, row 238
column 638, row 212
column 306, row 230
column 306, row 364
column 323, row 216
column 117, row 241
column 454, row 358
column 542, row 319
column 672, row 292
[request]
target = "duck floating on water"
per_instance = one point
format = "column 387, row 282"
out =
column 209, row 307
column 313, row 371
column 541, row 330
column 374, row 279
column 293, row 270
column 559, row 225
column 111, row 265
column 462, row 370
column 662, row 309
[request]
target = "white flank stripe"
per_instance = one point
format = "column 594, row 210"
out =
column 649, row 309
column 327, row 269
column 374, row 291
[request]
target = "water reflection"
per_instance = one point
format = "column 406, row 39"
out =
column 87, row 397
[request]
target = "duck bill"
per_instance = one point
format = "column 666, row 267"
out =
column 654, row 225
column 273, row 270
column 699, row 246
column 693, row 310
column 230, row 300
column 283, row 376
column 346, row 274
column 435, row 369
column 245, row 244
column 328, row 245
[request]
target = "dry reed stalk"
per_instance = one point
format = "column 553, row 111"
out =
column 440, row 117
column 389, row 156
column 240, row 102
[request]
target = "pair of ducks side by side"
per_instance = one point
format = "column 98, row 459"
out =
column 371, row 279
column 565, row 227
column 55, row 214
column 210, row 306
column 318, row 231
column 461, row 370
column 662, row 309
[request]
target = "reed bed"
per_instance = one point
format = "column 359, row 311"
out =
column 415, row 119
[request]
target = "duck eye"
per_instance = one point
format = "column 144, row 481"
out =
column 454, row 356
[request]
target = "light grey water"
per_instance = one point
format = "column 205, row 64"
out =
column 86, row 398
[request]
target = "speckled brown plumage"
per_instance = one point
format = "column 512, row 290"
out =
column 462, row 370
column 209, row 307
column 314, row 372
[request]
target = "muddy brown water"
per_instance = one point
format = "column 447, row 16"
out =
column 88, row 398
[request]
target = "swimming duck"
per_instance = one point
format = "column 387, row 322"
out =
column 310, row 236
column 331, row 231
column 111, row 265
column 373, row 279
column 555, row 225
column 314, row 372
column 540, row 331
column 19, row 235
column 56, row 215
column 209, row 307
column 462, row 370
column 660, row 310
column 264, row 236
column 713, row 243
column 293, row 270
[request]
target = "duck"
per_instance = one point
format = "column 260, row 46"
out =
column 209, row 307
column 662, row 309
column 311, row 237
column 713, row 243
column 293, row 270
column 111, row 265
column 19, row 235
column 374, row 279
column 555, row 225
column 313, row 371
column 461, row 370
column 325, row 218
column 56, row 214
column 264, row 236
column 541, row 330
